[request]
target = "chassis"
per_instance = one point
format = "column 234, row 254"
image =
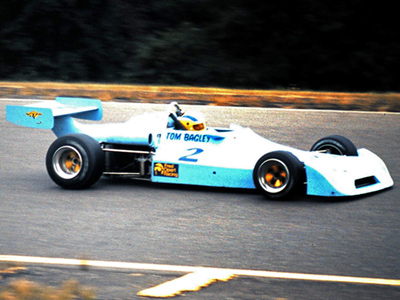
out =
column 157, row 148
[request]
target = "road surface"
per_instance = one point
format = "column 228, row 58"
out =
column 142, row 222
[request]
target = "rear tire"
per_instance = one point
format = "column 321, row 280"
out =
column 75, row 161
column 335, row 144
column 278, row 174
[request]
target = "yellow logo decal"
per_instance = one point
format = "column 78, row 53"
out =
column 33, row 114
column 166, row 170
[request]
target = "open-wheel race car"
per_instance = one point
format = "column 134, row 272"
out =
column 176, row 147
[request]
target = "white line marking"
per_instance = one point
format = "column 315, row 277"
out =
column 188, row 283
column 189, row 269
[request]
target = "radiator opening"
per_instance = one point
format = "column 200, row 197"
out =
column 366, row 181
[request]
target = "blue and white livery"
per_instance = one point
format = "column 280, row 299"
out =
column 178, row 148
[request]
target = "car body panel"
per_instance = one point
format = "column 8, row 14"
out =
column 334, row 175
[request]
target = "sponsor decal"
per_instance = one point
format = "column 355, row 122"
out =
column 33, row 114
column 166, row 170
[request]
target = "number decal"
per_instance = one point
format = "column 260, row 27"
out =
column 189, row 157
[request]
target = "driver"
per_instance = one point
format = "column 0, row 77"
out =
column 193, row 121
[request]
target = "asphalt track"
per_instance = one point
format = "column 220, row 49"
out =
column 139, row 222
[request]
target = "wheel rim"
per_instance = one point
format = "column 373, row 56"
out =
column 67, row 162
column 273, row 176
column 330, row 149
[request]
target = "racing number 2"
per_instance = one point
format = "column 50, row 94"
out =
column 189, row 157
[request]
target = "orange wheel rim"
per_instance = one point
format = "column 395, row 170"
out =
column 67, row 162
column 274, row 175
column 72, row 162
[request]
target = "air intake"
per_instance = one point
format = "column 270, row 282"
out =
column 366, row 181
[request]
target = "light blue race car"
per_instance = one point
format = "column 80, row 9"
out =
column 174, row 147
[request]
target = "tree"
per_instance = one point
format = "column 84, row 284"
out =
column 331, row 45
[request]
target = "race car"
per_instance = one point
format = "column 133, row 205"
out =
column 178, row 148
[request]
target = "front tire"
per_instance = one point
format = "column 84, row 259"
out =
column 335, row 144
column 278, row 174
column 75, row 161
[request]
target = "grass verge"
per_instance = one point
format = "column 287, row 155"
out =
column 21, row 289
column 24, row 290
column 205, row 96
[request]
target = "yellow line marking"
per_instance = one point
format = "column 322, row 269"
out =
column 189, row 269
column 188, row 283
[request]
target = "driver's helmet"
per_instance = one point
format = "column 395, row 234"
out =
column 193, row 121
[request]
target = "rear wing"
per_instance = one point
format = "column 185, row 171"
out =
column 43, row 114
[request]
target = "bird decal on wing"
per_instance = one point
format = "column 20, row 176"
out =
column 33, row 114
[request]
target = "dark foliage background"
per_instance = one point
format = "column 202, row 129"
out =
column 309, row 44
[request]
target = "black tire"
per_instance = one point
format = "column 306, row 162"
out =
column 278, row 175
column 75, row 161
column 335, row 144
